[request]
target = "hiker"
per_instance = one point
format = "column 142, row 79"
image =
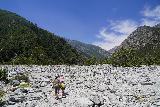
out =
column 62, row 85
column 56, row 86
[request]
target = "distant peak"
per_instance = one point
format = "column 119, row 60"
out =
column 158, row 25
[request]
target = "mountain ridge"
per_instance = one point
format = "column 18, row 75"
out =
column 89, row 50
column 142, row 47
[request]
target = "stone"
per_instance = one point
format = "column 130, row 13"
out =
column 17, row 99
column 158, row 103
column 15, row 82
column 84, row 102
column 86, row 86
column 23, row 90
column 17, row 91
column 97, row 100
column 43, row 84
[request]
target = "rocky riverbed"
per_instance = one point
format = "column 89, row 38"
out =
column 86, row 86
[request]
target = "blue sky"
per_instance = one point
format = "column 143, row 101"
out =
column 105, row 23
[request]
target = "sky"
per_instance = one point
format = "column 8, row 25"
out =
column 105, row 23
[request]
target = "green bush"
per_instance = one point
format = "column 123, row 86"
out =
column 2, row 93
column 24, row 85
column 3, row 75
column 92, row 61
column 23, row 77
column 125, row 57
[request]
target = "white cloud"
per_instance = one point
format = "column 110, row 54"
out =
column 123, row 26
column 117, row 31
column 149, row 22
column 154, row 13
column 151, row 16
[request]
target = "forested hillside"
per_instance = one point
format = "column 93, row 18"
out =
column 22, row 42
column 142, row 47
column 89, row 50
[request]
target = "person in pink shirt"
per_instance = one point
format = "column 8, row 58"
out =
column 61, row 79
column 62, row 84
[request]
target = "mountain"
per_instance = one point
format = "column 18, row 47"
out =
column 141, row 37
column 142, row 47
column 22, row 42
column 114, row 49
column 89, row 50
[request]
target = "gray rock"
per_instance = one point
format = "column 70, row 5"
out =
column 87, row 86
column 17, row 99
column 15, row 82
column 17, row 91
column 43, row 84
column 97, row 100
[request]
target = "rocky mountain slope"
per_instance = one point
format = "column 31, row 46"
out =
column 22, row 42
column 114, row 49
column 142, row 47
column 142, row 36
column 86, row 86
column 89, row 50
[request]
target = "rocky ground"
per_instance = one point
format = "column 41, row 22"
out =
column 86, row 86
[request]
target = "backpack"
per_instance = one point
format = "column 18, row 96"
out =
column 62, row 86
column 55, row 83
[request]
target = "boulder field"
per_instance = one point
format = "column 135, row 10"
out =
column 86, row 86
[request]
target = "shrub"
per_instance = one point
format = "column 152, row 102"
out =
column 23, row 77
column 3, row 75
column 2, row 93
column 24, row 85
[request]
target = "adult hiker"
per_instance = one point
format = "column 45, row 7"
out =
column 56, row 86
column 62, row 85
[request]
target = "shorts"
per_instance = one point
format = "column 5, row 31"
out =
column 56, row 89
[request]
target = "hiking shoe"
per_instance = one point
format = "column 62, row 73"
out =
column 64, row 96
column 57, row 98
